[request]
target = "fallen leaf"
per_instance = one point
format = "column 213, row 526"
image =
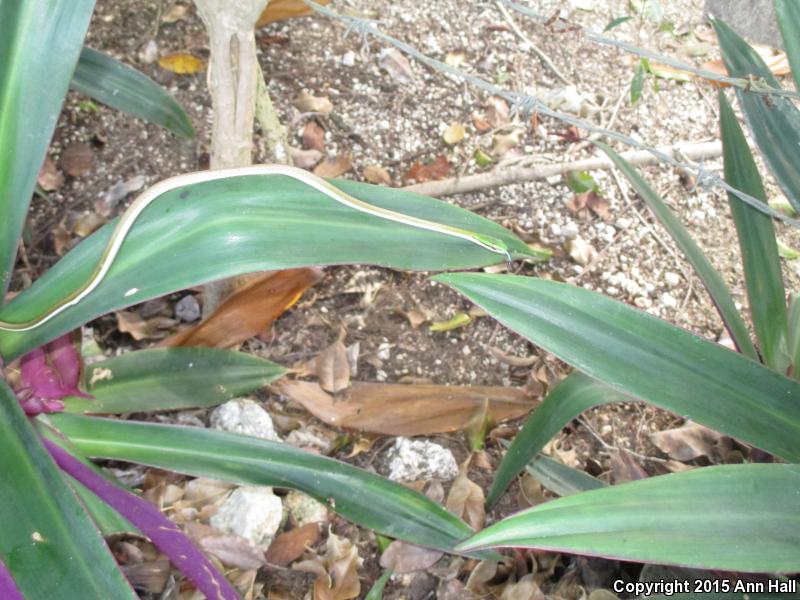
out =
column 466, row 499
column 481, row 158
column 376, row 174
column 332, row 368
column 77, row 159
column 232, row 550
column 290, row 545
column 402, row 557
column 624, row 468
column 337, row 574
column 398, row 409
column 249, row 310
column 334, row 167
column 313, row 137
column 688, row 442
column 178, row 12
column 581, row 251
column 87, row 223
column 455, row 322
column 305, row 102
column 50, row 178
column 62, row 239
column 280, row 10
column 149, row 576
column 432, row 171
column 497, row 112
column 503, row 142
column 480, row 123
column 109, row 200
column 396, row 65
column 140, row 329
column 777, row 62
column 454, row 134
column 525, row 589
column 482, row 574
column 182, row 64
column 304, row 159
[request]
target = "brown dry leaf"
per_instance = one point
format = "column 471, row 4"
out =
column 249, row 310
column 50, row 178
column 397, row 409
column 524, row 589
column 531, row 492
column 376, row 174
column 403, row 557
column 777, row 62
column 497, row 113
column 363, row 444
column 581, row 204
column 454, row 134
column 341, row 563
column 480, row 123
column 304, row 159
column 624, row 468
column 290, row 545
column 87, row 223
column 62, row 239
column 503, row 142
column 334, row 167
column 313, row 137
column 140, row 329
column 396, row 65
column 182, row 64
column 687, row 442
column 465, row 500
column 280, row 10
column 178, row 12
column 149, row 576
column 432, row 171
column 76, row 159
column 482, row 574
column 305, row 102
column 232, row 550
column 332, row 368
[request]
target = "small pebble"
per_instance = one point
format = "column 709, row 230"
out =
column 187, row 309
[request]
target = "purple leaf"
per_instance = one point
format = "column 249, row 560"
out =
column 165, row 535
column 48, row 374
column 8, row 588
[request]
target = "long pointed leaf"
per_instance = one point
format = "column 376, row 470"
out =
column 241, row 224
column 733, row 517
column 122, row 87
column 773, row 121
column 47, row 541
column 171, row 379
column 787, row 13
column 362, row 497
column 762, row 266
column 561, row 479
column 645, row 357
column 719, row 292
column 576, row 394
column 39, row 45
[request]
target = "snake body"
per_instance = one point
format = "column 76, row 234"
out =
column 136, row 208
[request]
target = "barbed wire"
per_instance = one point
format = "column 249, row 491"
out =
column 527, row 104
column 746, row 84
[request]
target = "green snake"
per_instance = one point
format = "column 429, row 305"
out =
column 136, row 208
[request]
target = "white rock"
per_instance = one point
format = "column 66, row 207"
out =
column 304, row 509
column 309, row 437
column 581, row 251
column 671, row 278
column 349, row 58
column 246, row 417
column 668, row 300
column 623, row 223
column 254, row 513
column 569, row 231
column 415, row 460
column 149, row 54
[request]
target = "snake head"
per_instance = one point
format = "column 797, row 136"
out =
column 493, row 244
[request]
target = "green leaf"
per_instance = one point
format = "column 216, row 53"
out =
column 732, row 517
column 645, row 357
column 793, row 341
column 171, row 379
column 773, row 121
column 561, row 479
column 762, row 266
column 376, row 592
column 111, row 82
column 242, row 224
column 39, row 45
column 787, row 13
column 576, row 394
column 637, row 83
column 47, row 541
column 581, row 182
column 364, row 498
column 713, row 282
column 616, row 23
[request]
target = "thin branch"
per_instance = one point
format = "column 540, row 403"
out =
column 498, row 177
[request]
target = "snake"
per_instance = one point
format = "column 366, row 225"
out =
column 137, row 207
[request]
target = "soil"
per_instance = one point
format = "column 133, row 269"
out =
column 382, row 121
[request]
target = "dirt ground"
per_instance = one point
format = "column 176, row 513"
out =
column 386, row 122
